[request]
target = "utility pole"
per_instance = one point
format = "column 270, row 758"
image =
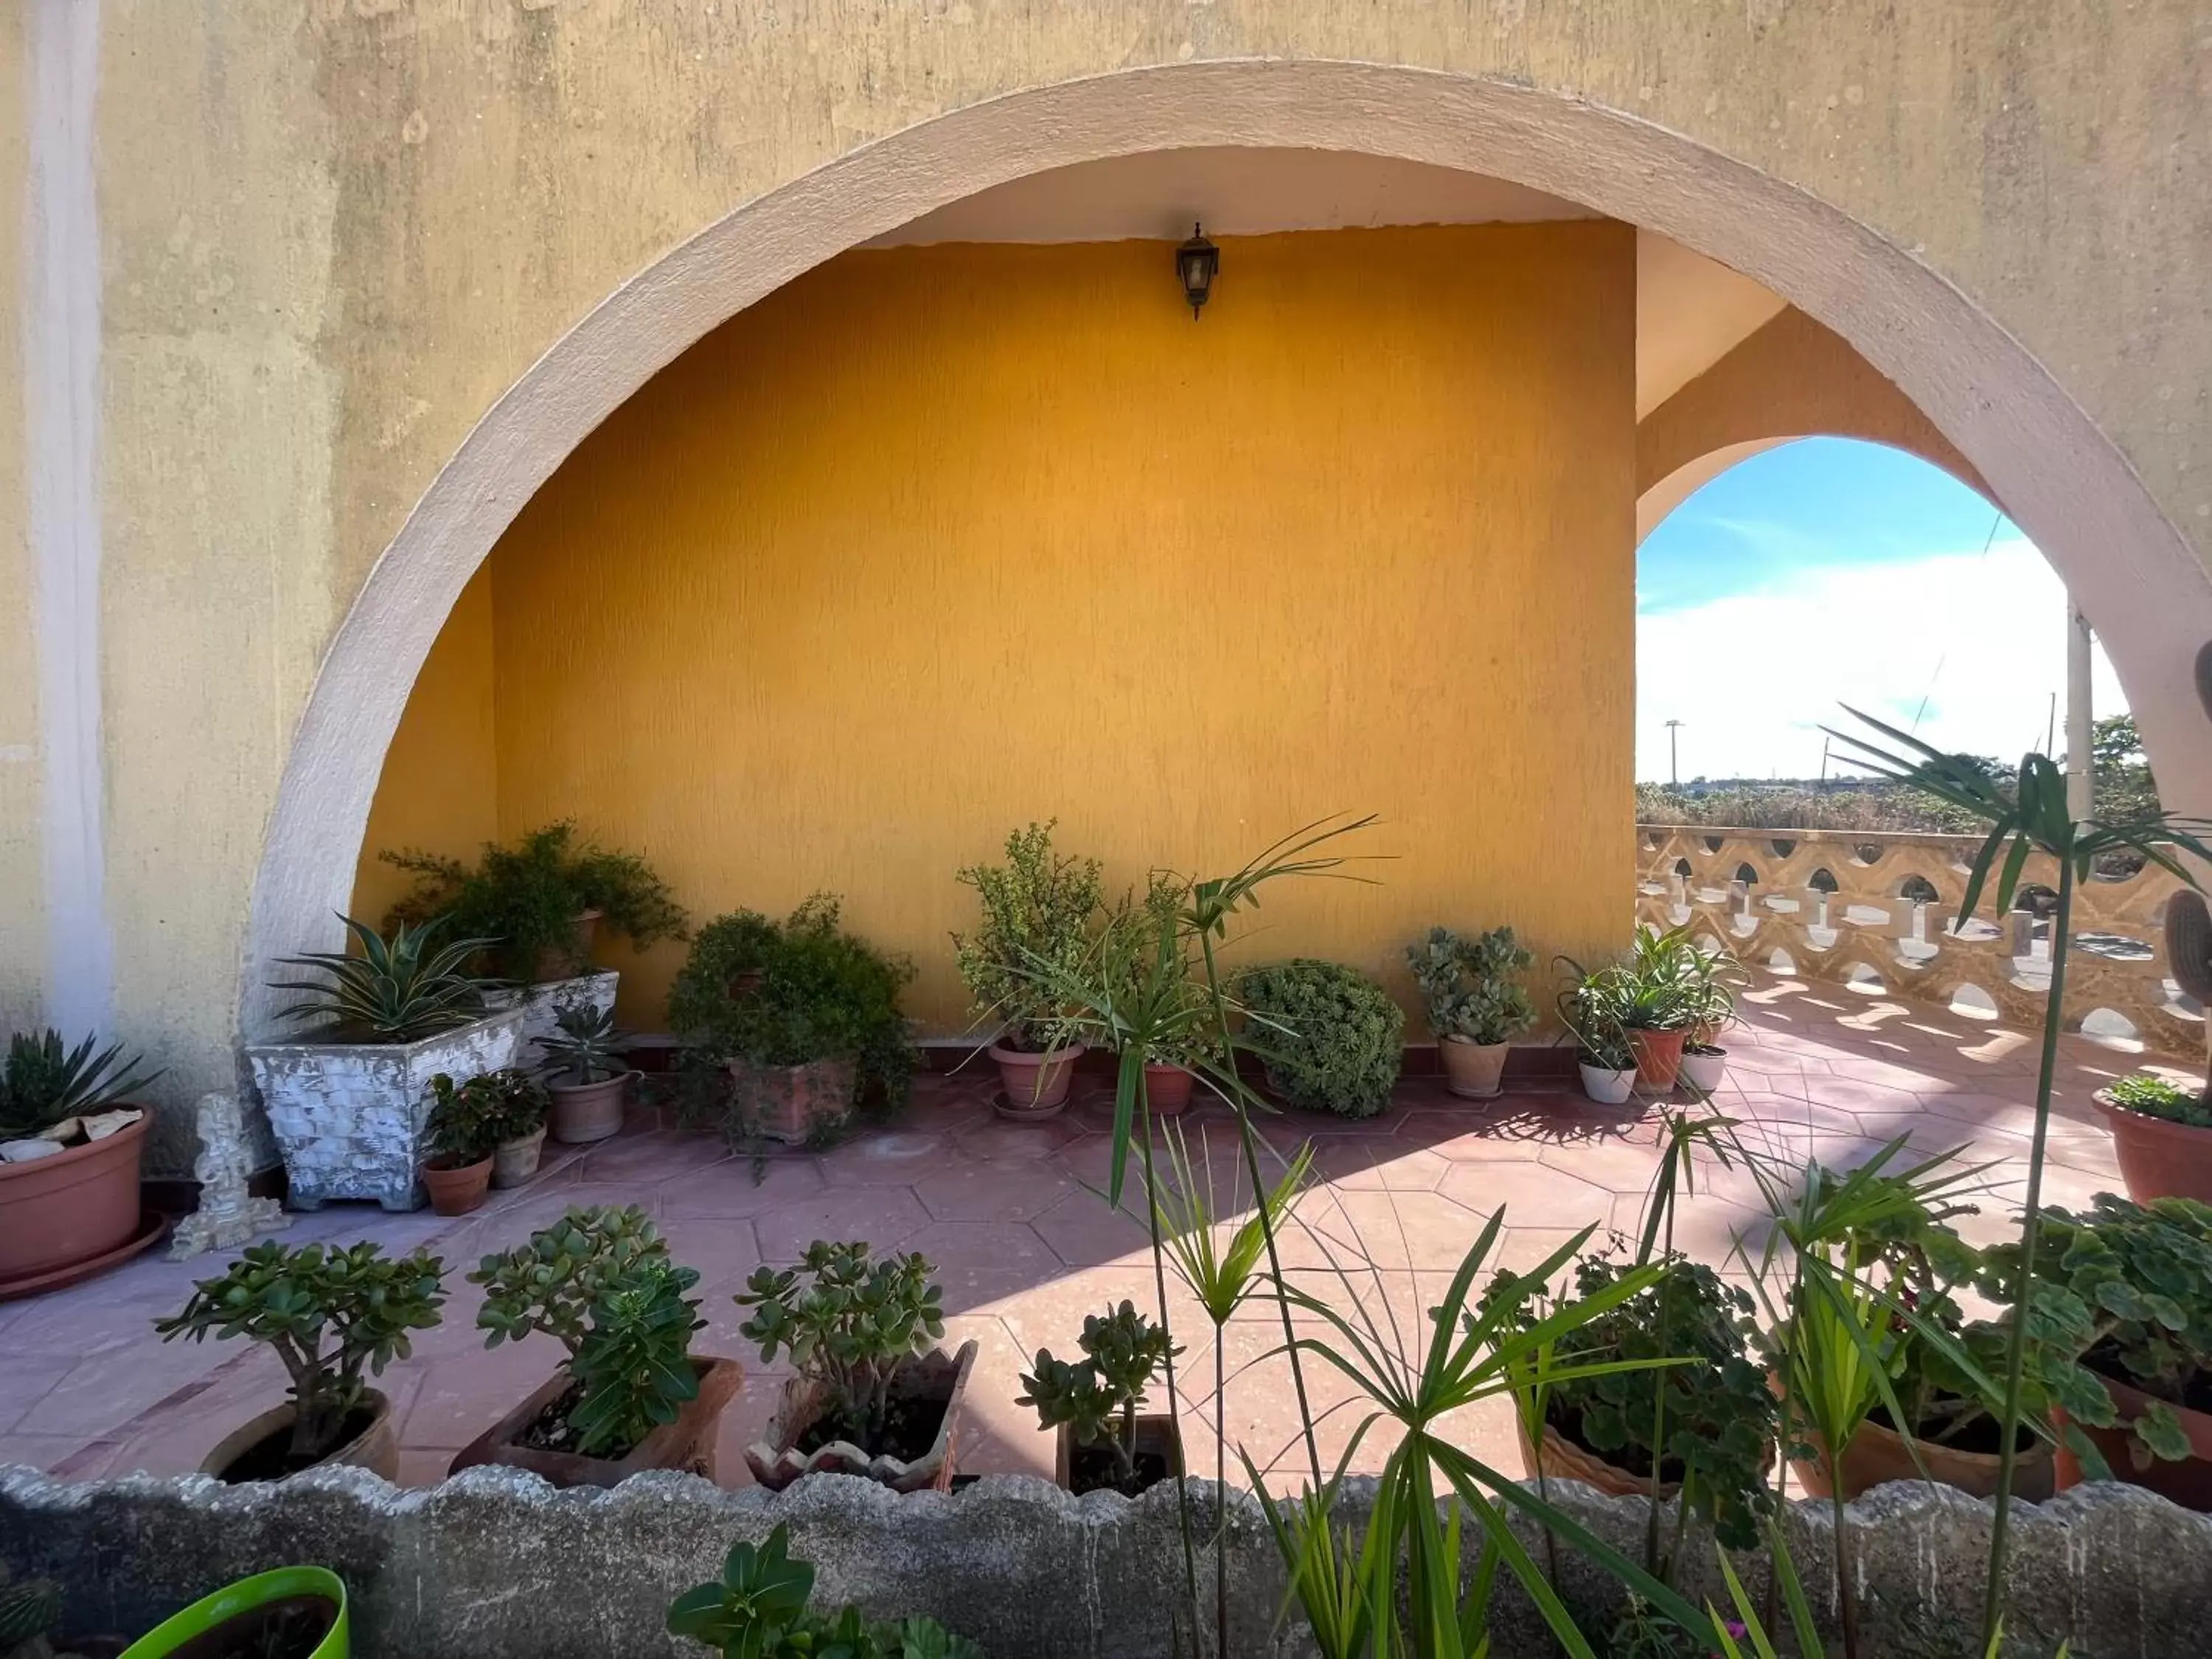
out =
column 2079, row 790
column 1673, row 757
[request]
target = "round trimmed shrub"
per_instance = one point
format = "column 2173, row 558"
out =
column 1333, row 1037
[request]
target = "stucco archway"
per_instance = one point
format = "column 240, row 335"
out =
column 2062, row 481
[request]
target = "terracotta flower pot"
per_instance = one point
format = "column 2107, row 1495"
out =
column 585, row 1112
column 1605, row 1085
column 2188, row 1482
column 775, row 1462
column 1472, row 1071
column 514, row 1162
column 1658, row 1059
column 1156, row 1436
column 687, row 1444
column 1035, row 1084
column 794, row 1104
column 70, row 1207
column 375, row 1448
column 563, row 962
column 1878, row 1455
column 1167, row 1088
column 2157, row 1159
column 457, row 1188
column 1561, row 1459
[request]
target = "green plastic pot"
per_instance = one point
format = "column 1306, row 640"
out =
column 203, row 1615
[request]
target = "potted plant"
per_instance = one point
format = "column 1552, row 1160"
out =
column 1104, row 1442
column 1591, row 1008
column 1039, row 912
column 517, row 1117
column 2162, row 1137
column 1661, row 997
column 333, row 1316
column 1712, row 1409
column 464, row 1132
column 2120, row 1342
column 292, row 1613
column 1330, row 1038
column 873, row 1395
column 757, row 1610
column 348, row 1105
column 540, row 903
column 1476, row 1004
column 587, row 1078
column 69, row 1154
column 1714, row 977
column 800, row 1015
column 631, row 1395
column 1137, row 991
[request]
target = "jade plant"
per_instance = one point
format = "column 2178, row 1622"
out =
column 1472, row 985
column 849, row 1324
column 334, row 1316
column 2155, row 1097
column 45, row 1086
column 399, row 989
column 550, row 1283
column 521, row 904
column 1097, row 1397
column 1040, row 909
column 1330, row 1038
column 758, row 1609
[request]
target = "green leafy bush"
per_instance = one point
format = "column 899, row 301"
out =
column 848, row 1327
column 1720, row 1418
column 1039, row 912
column 793, row 991
column 1472, row 985
column 333, row 1316
column 1331, row 1038
column 1097, row 1396
column 634, row 1364
column 2154, row 1097
column 757, row 1610
column 395, row 990
column 42, row 1083
column 469, row 1121
column 550, row 1283
column 521, row 903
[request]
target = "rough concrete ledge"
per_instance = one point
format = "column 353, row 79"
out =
column 496, row 1564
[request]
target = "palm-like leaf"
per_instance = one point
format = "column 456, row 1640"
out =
column 42, row 1082
column 395, row 990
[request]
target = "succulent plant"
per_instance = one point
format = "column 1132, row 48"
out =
column 395, row 990
column 43, row 1083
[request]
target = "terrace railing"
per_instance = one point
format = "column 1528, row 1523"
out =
column 1878, row 908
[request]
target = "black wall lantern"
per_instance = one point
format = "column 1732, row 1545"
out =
column 1196, row 262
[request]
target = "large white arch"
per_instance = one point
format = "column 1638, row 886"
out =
column 2066, row 484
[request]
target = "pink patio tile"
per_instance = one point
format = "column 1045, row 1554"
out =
column 999, row 1140
column 631, row 1157
column 1082, row 1232
column 982, row 1262
column 457, row 1399
column 512, row 1221
column 882, row 1219
column 1531, row 1194
column 995, row 1191
column 894, row 1157
column 1363, row 1165
column 737, row 1187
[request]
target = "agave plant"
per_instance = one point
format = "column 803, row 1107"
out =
column 586, row 1049
column 2028, row 819
column 43, row 1084
column 396, row 990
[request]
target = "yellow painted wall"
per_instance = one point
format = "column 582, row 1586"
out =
column 440, row 787
column 935, row 540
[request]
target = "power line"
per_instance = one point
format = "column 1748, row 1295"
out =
column 1996, row 520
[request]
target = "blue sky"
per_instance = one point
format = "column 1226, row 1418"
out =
column 1830, row 570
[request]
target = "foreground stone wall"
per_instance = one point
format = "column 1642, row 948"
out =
column 496, row 1564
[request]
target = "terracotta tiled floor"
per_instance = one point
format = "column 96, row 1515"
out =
column 1024, row 1248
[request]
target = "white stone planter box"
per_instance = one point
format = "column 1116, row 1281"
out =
column 542, row 1007
column 349, row 1116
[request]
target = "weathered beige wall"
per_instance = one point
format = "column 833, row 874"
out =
column 22, row 904
column 334, row 233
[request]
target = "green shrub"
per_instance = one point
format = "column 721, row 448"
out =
column 757, row 1610
column 1097, row 1396
column 1472, row 985
column 1331, row 1038
column 550, row 1283
column 1039, row 910
column 524, row 899
column 468, row 1123
column 634, row 1364
column 850, row 1327
column 2154, row 1097
column 793, row 991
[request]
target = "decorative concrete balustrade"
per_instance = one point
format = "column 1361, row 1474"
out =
column 1851, row 906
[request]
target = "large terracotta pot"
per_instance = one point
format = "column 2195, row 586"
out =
column 70, row 1208
column 794, row 1104
column 1472, row 1071
column 687, row 1444
column 1561, row 1459
column 2157, row 1159
column 585, row 1112
column 1878, row 1455
column 1036, row 1084
column 1658, row 1059
column 557, row 962
column 2188, row 1482
column 457, row 1188
column 1167, row 1089
column 375, row 1449
column 775, row 1462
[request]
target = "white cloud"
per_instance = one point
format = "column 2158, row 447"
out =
column 1755, row 676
